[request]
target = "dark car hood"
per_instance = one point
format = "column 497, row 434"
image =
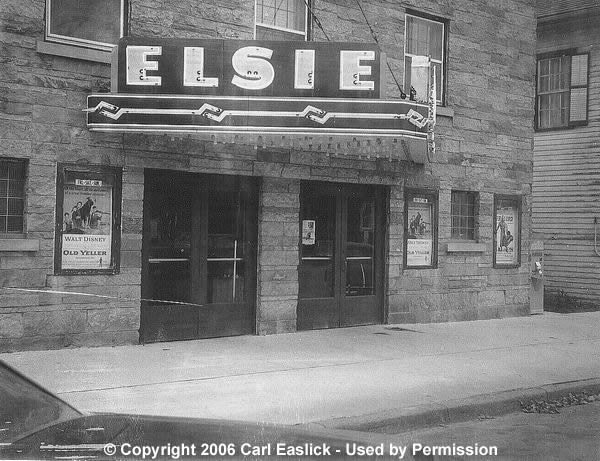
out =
column 87, row 438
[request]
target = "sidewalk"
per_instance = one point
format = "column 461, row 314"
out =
column 352, row 377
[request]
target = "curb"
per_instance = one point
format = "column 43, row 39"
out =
column 406, row 419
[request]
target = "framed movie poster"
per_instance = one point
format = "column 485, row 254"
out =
column 507, row 231
column 420, row 230
column 88, row 220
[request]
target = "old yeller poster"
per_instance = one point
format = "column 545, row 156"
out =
column 86, row 225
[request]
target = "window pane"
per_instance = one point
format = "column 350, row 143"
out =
column 14, row 224
column 94, row 20
column 16, row 188
column 15, row 206
column 16, row 170
column 437, row 40
column 410, row 34
column 316, row 270
column 286, row 14
column 439, row 79
column 360, row 247
column 544, row 83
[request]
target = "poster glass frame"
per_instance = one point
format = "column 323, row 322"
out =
column 420, row 229
column 507, row 231
column 88, row 220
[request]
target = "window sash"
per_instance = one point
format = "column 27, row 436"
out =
column 12, row 196
column 425, row 37
column 562, row 91
column 283, row 19
column 79, row 28
column 463, row 215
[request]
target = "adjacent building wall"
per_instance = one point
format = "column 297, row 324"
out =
column 566, row 188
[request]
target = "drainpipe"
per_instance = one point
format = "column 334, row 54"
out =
column 596, row 236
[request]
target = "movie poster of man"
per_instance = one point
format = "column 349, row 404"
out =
column 506, row 235
column 86, row 225
column 419, row 243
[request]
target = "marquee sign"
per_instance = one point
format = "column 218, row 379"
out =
column 219, row 86
column 248, row 68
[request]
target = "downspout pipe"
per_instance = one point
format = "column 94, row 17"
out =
column 596, row 236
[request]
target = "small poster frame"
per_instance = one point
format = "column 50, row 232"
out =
column 507, row 231
column 420, row 229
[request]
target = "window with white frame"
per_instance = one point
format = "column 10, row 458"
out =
column 562, row 91
column 281, row 20
column 97, row 24
column 423, row 38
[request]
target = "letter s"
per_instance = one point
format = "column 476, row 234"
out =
column 254, row 70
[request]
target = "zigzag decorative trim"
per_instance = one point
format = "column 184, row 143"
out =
column 218, row 115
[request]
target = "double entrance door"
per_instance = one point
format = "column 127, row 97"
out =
column 199, row 256
column 341, row 255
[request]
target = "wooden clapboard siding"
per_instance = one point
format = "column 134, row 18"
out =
column 566, row 177
column 566, row 198
column 566, row 168
column 549, row 8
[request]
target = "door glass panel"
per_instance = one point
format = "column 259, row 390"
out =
column 316, row 274
column 226, row 248
column 360, row 248
column 169, row 258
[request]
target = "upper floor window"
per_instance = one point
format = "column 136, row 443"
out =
column 281, row 20
column 562, row 91
column 463, row 214
column 12, row 196
column 424, row 38
column 95, row 24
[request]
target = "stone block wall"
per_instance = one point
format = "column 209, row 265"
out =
column 483, row 143
column 278, row 255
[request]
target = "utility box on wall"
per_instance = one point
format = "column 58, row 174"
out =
column 536, row 291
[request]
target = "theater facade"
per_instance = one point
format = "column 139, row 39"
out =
column 174, row 172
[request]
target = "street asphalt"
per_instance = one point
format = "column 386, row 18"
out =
column 380, row 378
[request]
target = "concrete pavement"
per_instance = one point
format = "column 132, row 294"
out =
column 348, row 377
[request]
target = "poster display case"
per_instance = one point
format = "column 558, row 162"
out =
column 88, row 220
column 507, row 231
column 420, row 230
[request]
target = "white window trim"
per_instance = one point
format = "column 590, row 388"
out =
column 439, row 78
column 300, row 33
column 74, row 41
